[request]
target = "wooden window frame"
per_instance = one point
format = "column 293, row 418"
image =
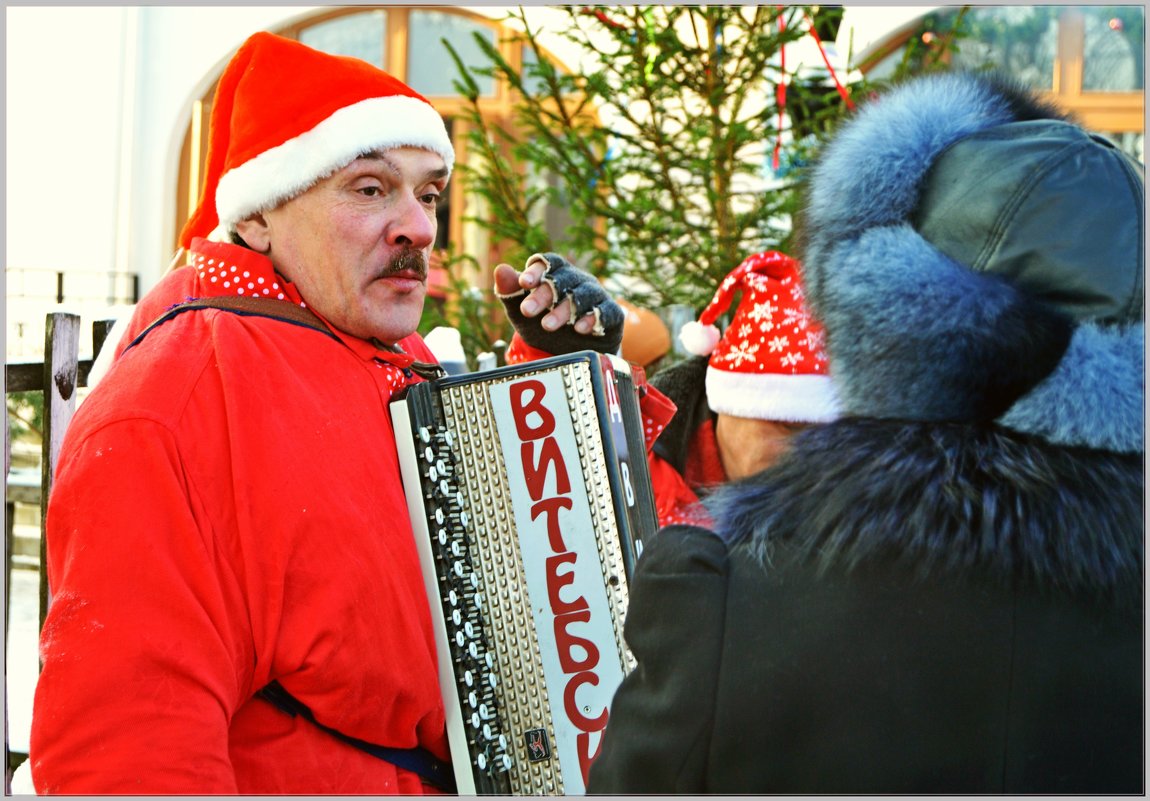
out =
column 1110, row 112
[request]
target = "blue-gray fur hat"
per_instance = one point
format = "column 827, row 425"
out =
column 976, row 256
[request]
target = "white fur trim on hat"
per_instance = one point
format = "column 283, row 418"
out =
column 284, row 171
column 772, row 396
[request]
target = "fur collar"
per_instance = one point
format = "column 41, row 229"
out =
column 947, row 499
column 914, row 335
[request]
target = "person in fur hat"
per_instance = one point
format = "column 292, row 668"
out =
column 941, row 591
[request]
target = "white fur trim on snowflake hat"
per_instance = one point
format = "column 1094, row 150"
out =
column 771, row 362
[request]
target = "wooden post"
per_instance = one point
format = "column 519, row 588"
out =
column 61, row 378
column 9, row 533
column 100, row 329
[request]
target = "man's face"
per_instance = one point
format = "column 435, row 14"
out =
column 357, row 243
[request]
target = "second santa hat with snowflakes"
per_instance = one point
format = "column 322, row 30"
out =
column 771, row 362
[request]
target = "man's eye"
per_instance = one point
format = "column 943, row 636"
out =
column 369, row 191
column 430, row 199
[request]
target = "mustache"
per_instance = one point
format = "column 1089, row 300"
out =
column 408, row 260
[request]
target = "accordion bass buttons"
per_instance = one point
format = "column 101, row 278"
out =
column 463, row 604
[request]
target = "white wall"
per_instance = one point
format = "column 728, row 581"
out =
column 63, row 78
column 181, row 50
column 97, row 103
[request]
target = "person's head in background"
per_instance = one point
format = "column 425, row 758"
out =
column 332, row 169
column 767, row 374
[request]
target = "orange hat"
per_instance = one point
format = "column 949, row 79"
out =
column 645, row 336
column 286, row 116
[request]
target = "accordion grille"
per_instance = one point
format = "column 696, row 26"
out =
column 522, row 696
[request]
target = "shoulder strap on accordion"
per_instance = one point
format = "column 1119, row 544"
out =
column 252, row 307
column 276, row 310
column 418, row 760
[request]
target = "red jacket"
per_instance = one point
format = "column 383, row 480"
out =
column 228, row 511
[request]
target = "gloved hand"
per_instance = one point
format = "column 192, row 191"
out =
column 581, row 315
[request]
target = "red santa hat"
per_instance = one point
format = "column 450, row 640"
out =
column 771, row 363
column 286, row 116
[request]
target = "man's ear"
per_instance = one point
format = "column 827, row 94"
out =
column 254, row 231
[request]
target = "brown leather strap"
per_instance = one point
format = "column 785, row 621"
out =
column 254, row 307
column 262, row 307
column 277, row 310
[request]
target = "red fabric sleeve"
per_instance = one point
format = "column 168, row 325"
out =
column 163, row 673
column 175, row 287
column 675, row 502
column 519, row 351
column 656, row 408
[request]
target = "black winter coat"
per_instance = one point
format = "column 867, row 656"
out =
column 941, row 592
column 949, row 610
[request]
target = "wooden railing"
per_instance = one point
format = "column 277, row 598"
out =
column 59, row 376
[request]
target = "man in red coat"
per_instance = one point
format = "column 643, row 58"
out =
column 228, row 512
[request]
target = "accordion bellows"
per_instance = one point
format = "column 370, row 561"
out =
column 530, row 498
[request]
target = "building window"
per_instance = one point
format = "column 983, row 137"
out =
column 1087, row 59
column 361, row 35
column 1114, row 49
column 1022, row 40
column 431, row 74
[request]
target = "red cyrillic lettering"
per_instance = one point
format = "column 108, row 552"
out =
column 574, row 714
column 583, row 746
column 565, row 641
column 520, row 410
column 535, row 472
column 556, row 582
column 554, row 533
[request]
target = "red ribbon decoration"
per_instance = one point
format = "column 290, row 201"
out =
column 780, row 93
column 599, row 15
column 781, row 89
column 822, row 52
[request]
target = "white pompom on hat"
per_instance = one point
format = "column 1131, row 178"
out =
column 771, row 363
column 285, row 116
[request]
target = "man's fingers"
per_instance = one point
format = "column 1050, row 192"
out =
column 561, row 316
column 532, row 274
column 585, row 324
column 564, row 310
column 506, row 280
column 539, row 300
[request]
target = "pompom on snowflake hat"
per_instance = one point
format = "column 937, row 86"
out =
column 770, row 363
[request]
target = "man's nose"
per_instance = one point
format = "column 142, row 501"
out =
column 415, row 225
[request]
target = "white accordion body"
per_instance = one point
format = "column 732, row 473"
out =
column 530, row 497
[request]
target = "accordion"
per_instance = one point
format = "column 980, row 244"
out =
column 530, row 497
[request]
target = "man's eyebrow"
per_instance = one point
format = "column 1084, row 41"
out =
column 380, row 155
